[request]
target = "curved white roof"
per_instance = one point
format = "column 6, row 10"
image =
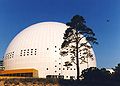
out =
column 38, row 46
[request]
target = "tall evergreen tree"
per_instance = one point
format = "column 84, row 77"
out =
column 76, row 31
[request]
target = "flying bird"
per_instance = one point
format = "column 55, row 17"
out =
column 108, row 20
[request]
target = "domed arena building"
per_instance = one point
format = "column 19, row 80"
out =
column 36, row 50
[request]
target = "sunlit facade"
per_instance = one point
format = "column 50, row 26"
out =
column 38, row 47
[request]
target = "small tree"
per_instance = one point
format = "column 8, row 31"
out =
column 75, row 33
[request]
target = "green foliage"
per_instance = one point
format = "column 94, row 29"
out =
column 95, row 74
column 102, row 76
column 116, row 74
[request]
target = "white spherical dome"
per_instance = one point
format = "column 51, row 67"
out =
column 38, row 47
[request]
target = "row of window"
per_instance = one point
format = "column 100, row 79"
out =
column 27, row 52
column 55, row 47
column 64, row 69
column 59, row 76
column 19, row 74
column 9, row 55
column 55, row 76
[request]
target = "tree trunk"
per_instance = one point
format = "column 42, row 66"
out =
column 77, row 59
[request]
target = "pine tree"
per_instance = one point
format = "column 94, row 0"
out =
column 77, row 31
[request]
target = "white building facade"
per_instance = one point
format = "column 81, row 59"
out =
column 38, row 47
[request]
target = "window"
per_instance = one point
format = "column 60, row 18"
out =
column 63, row 68
column 9, row 55
column 46, row 68
column 72, row 77
column 47, row 48
column 35, row 51
column 59, row 68
column 28, row 52
column 55, row 66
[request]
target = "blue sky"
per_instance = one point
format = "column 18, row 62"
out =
column 16, row 15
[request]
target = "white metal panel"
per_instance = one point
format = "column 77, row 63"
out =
column 47, row 38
